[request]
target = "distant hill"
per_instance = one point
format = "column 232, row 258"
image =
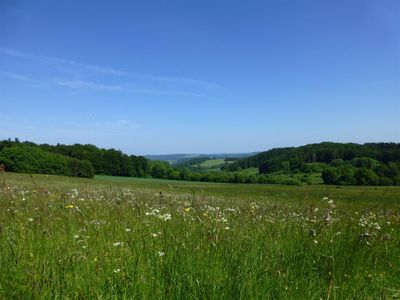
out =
column 326, row 152
column 329, row 163
column 338, row 163
column 180, row 158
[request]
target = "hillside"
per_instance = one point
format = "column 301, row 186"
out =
column 71, row 160
column 362, row 164
column 179, row 159
column 329, row 163
column 325, row 152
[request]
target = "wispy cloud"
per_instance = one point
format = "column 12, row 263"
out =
column 179, row 80
column 60, row 61
column 167, row 92
column 82, row 70
column 15, row 76
column 84, row 85
column 104, row 70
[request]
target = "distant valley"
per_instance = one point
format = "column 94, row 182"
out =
column 177, row 159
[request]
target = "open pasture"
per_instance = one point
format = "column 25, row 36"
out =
column 130, row 238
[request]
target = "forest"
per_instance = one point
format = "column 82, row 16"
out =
column 331, row 163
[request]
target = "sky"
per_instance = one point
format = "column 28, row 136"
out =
column 158, row 77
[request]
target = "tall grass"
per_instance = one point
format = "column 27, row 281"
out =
column 97, row 241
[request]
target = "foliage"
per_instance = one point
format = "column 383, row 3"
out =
column 361, row 171
column 28, row 159
column 339, row 164
column 272, row 160
column 108, row 162
column 105, row 161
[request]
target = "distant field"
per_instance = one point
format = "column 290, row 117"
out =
column 251, row 170
column 135, row 238
column 353, row 194
column 212, row 163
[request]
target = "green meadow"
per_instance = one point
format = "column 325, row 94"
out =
column 212, row 163
column 129, row 238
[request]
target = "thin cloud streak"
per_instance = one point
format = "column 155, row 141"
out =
column 179, row 80
column 167, row 92
column 82, row 85
column 60, row 61
column 15, row 76
column 88, row 85
column 54, row 61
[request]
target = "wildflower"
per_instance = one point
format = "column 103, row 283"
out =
column 161, row 253
column 315, row 242
column 128, row 230
column 254, row 207
column 74, row 193
column 76, row 236
column 69, row 206
column 153, row 212
column 187, row 209
column 30, row 219
column 227, row 228
column 365, row 234
column 118, row 244
column 165, row 217
column 117, row 270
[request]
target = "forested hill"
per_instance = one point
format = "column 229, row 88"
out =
column 180, row 159
column 331, row 163
column 293, row 157
column 70, row 160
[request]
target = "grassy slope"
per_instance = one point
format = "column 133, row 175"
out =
column 377, row 195
column 215, row 164
column 108, row 239
column 212, row 163
column 310, row 194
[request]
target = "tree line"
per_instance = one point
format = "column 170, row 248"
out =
column 29, row 159
column 362, row 171
column 60, row 159
column 326, row 152
column 340, row 164
column 88, row 160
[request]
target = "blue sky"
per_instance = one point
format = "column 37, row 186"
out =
column 151, row 77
